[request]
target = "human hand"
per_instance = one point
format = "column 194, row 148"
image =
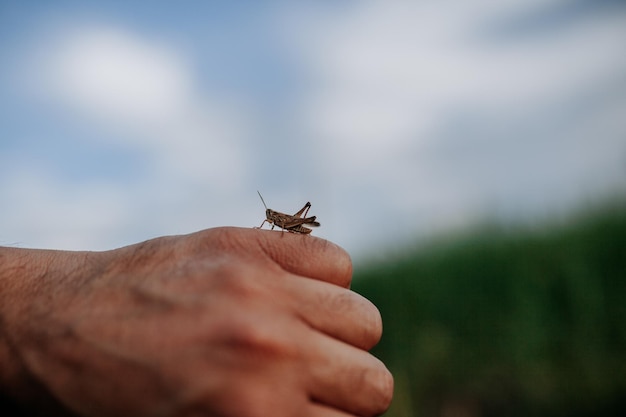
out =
column 223, row 322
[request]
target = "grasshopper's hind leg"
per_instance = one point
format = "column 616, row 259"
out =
column 304, row 210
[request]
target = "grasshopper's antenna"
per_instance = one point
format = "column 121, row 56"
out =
column 262, row 199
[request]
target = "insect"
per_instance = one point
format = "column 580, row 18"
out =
column 293, row 224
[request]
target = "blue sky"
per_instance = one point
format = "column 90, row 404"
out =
column 122, row 121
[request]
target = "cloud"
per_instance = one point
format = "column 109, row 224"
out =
column 407, row 117
column 444, row 119
column 422, row 56
column 144, row 95
column 117, row 76
column 140, row 97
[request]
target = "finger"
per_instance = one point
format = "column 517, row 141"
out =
column 320, row 410
column 348, row 378
column 335, row 311
column 303, row 255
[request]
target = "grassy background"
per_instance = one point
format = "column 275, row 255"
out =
column 507, row 322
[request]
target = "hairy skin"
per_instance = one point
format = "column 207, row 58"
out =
column 224, row 322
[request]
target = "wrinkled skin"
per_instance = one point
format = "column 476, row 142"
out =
column 224, row 322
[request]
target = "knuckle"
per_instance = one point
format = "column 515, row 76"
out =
column 386, row 389
column 380, row 385
column 370, row 323
column 366, row 325
column 223, row 241
column 237, row 283
column 373, row 323
column 218, row 238
column 260, row 340
column 337, row 257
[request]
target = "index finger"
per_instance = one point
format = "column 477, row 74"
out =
column 308, row 256
column 303, row 255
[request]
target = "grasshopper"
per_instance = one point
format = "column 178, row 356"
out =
column 292, row 224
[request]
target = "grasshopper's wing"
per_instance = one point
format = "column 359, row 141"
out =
column 310, row 221
column 292, row 222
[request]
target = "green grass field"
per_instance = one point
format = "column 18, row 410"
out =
column 507, row 322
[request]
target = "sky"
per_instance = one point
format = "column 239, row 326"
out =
column 123, row 121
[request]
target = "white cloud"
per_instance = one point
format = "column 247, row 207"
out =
column 141, row 97
column 414, row 119
column 390, row 81
column 426, row 55
column 144, row 95
column 118, row 76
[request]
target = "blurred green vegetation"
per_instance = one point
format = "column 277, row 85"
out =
column 507, row 321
